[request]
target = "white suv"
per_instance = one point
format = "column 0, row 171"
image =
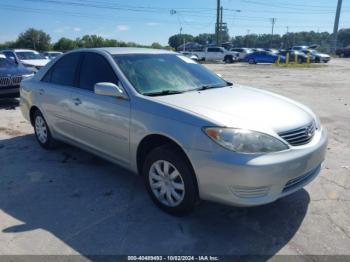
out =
column 27, row 57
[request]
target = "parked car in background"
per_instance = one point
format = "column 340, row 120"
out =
column 216, row 54
column 242, row 51
column 262, row 57
column 316, row 56
column 29, row 58
column 11, row 74
column 189, row 55
column 304, row 47
column 302, row 57
column 190, row 134
column 52, row 54
column 343, row 52
column 300, row 47
column 258, row 49
column 272, row 50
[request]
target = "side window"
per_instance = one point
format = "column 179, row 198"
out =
column 95, row 69
column 64, row 71
column 211, row 49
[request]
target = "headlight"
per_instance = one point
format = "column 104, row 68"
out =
column 245, row 141
column 27, row 76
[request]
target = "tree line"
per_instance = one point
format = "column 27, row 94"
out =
column 324, row 39
column 41, row 41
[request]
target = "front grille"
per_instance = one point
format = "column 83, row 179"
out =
column 299, row 136
column 10, row 81
column 250, row 192
column 16, row 80
column 5, row 81
column 295, row 182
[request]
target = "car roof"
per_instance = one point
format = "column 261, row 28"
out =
column 24, row 50
column 129, row 50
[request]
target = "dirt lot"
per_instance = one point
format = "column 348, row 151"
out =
column 69, row 202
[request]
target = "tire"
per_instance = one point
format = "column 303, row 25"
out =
column 251, row 61
column 42, row 131
column 160, row 183
column 317, row 60
column 228, row 59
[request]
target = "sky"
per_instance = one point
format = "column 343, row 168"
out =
column 148, row 21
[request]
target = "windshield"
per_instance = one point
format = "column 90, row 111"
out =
column 156, row 73
column 27, row 55
column 4, row 63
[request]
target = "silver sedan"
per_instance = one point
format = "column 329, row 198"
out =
column 190, row 134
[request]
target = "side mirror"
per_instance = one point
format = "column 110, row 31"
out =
column 109, row 89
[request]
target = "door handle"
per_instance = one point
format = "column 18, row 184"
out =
column 77, row 101
column 41, row 91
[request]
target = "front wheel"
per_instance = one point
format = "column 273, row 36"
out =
column 170, row 181
column 42, row 131
column 228, row 59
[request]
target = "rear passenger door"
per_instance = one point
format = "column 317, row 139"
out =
column 101, row 123
column 54, row 94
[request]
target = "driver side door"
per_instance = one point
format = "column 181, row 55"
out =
column 101, row 123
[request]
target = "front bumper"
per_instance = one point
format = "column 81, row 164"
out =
column 249, row 180
column 9, row 92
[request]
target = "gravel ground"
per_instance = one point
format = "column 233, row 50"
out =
column 67, row 201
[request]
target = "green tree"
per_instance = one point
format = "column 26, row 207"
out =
column 205, row 39
column 110, row 43
column 344, row 37
column 9, row 44
column 90, row 41
column 176, row 40
column 64, row 44
column 34, row 39
column 156, row 45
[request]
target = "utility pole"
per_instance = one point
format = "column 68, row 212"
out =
column 336, row 25
column 220, row 26
column 273, row 21
column 217, row 21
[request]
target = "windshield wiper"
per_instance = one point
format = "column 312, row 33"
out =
column 205, row 87
column 163, row 93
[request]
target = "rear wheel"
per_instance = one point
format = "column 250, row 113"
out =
column 42, row 131
column 170, row 181
column 251, row 61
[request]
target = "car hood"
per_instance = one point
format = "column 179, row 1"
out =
column 36, row 62
column 12, row 71
column 243, row 107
